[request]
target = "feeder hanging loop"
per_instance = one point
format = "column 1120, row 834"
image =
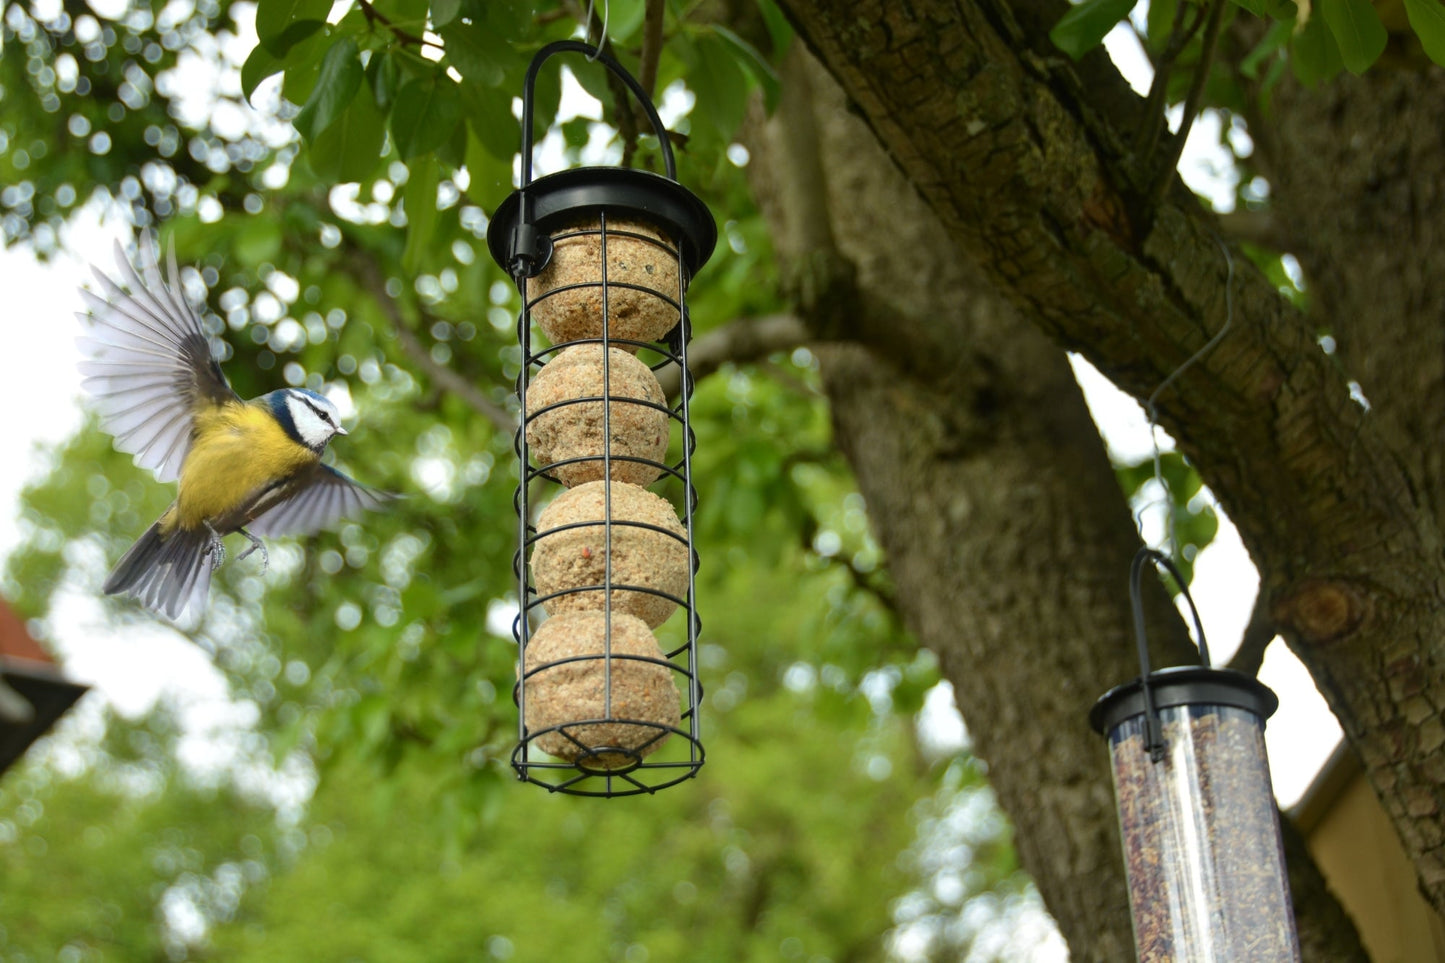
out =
column 1154, row 736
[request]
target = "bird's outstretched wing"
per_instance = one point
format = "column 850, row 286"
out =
column 325, row 498
column 148, row 363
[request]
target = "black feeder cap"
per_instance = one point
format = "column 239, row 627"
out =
column 50, row 695
column 567, row 194
column 1180, row 686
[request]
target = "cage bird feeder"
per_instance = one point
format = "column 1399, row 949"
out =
column 1197, row 813
column 608, row 689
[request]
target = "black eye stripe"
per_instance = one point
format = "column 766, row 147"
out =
column 314, row 410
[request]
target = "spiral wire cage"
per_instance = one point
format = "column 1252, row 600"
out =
column 613, row 697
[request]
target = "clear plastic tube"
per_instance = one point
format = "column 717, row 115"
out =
column 1207, row 879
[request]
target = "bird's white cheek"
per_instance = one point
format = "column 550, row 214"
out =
column 313, row 430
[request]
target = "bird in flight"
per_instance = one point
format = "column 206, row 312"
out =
column 252, row 467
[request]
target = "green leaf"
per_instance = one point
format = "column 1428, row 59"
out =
column 424, row 115
column 1427, row 18
column 1084, row 26
column 576, row 132
column 444, row 12
column 1273, row 41
column 625, row 19
column 476, row 53
column 591, row 77
column 1159, row 24
column 720, row 84
column 419, row 198
column 1257, row 7
column 302, row 65
column 491, row 175
column 1279, row 10
column 259, row 65
column 756, row 64
column 1314, row 57
column 1358, row 32
column 277, row 21
column 489, row 115
column 409, row 15
column 350, row 149
column 780, row 31
column 383, row 73
column 336, row 86
column 295, row 34
column 452, row 152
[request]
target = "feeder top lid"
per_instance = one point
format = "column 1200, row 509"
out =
column 1183, row 685
column 578, row 191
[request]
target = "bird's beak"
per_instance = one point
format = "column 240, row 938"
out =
column 341, row 431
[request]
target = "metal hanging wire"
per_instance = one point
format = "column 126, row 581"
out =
column 1151, row 410
column 601, row 33
column 1154, row 739
column 611, row 687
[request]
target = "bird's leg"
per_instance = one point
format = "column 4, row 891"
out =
column 255, row 544
column 216, row 549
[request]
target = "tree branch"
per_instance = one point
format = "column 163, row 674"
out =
column 369, row 273
column 1258, row 634
column 1164, row 174
column 1255, row 226
column 1155, row 123
column 449, row 380
column 374, row 16
column 746, row 339
column 1044, row 219
column 1028, row 178
column 624, row 111
column 652, row 20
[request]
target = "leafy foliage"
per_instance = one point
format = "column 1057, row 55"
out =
column 1191, row 518
column 1317, row 41
column 345, row 251
column 1084, row 26
column 107, row 864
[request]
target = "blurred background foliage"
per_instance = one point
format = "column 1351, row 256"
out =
column 325, row 173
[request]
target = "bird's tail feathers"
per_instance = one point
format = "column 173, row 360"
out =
column 169, row 574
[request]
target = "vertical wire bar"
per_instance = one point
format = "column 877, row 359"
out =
column 606, row 480
column 524, row 622
column 689, row 496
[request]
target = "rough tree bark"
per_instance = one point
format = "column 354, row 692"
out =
column 1357, row 169
column 1005, row 529
column 1025, row 165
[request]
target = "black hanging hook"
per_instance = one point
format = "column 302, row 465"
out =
column 1153, row 731
column 530, row 250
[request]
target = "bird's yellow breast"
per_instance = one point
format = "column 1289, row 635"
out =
column 238, row 450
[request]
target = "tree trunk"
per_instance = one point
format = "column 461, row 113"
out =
column 1005, row 529
column 1027, row 168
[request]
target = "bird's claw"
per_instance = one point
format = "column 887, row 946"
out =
column 215, row 549
column 255, row 544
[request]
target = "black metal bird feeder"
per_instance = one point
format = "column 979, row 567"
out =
column 1197, row 813
column 603, row 257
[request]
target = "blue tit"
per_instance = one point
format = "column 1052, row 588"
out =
column 252, row 467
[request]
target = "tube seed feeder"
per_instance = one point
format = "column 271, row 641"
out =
column 1197, row 814
column 603, row 257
